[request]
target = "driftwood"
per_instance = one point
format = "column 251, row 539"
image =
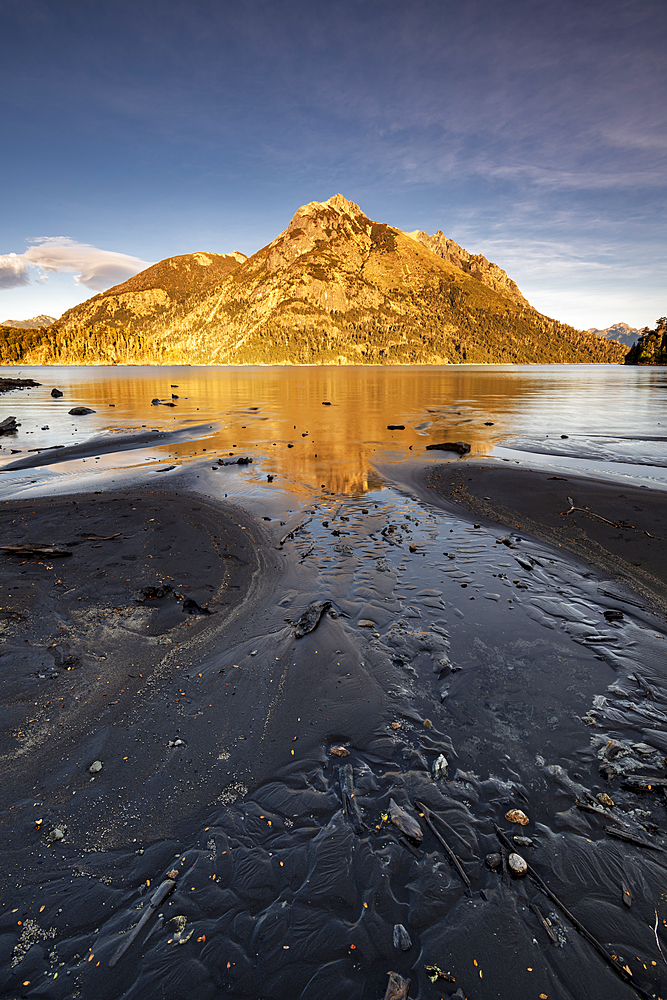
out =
column 292, row 533
column 545, row 923
column 429, row 816
column 585, row 510
column 632, row 838
column 397, row 987
column 310, row 618
column 157, row 899
column 621, row 970
column 37, row 549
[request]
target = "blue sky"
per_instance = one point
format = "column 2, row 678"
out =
column 534, row 132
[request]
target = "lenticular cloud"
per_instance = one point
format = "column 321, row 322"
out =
column 94, row 268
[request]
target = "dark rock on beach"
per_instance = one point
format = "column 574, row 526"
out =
column 460, row 447
column 8, row 426
column 56, row 393
column 80, row 411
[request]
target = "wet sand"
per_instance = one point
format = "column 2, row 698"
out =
column 632, row 549
column 216, row 734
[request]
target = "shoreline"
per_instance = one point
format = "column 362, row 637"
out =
column 632, row 549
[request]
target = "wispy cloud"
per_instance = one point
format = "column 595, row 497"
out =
column 92, row 267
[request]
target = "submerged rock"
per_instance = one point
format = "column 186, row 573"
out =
column 80, row 411
column 56, row 393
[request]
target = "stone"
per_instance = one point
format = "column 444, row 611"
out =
column 402, row 939
column 461, row 447
column 440, row 765
column 517, row 816
column 80, row 411
column 493, row 861
column 517, row 865
column 56, row 393
column 95, row 767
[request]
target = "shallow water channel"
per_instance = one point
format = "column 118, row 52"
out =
column 440, row 636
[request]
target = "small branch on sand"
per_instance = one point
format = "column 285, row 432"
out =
column 585, row 510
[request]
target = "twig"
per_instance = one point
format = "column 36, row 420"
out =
column 585, row 510
column 455, row 861
column 655, row 935
column 292, row 533
column 547, row 926
column 102, row 538
column 621, row 970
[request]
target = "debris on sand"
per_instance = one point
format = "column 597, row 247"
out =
column 351, row 809
column 27, row 549
column 339, row 751
column 157, row 899
column 309, row 620
column 397, row 987
column 406, row 823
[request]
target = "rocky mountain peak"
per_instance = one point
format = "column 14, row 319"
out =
column 316, row 223
column 474, row 264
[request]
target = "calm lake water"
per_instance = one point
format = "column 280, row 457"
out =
column 601, row 419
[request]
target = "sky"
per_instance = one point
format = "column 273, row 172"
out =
column 531, row 131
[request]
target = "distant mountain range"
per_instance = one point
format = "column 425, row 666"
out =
column 29, row 324
column 333, row 288
column 620, row 332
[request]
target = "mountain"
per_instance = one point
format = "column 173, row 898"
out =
column 651, row 348
column 333, row 288
column 620, row 332
column 29, row 324
column 474, row 264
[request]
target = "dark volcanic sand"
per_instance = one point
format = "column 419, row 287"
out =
column 281, row 892
column 633, row 549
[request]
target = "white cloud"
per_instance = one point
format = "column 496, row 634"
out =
column 92, row 267
column 96, row 269
column 13, row 271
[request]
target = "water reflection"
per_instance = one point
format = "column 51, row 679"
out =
column 327, row 427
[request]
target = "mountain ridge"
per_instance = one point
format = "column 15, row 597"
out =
column 334, row 287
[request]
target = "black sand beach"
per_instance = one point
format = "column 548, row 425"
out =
column 252, row 772
column 621, row 530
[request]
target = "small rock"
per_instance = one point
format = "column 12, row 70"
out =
column 95, row 767
column 493, row 861
column 366, row 623
column 517, row 865
column 440, row 766
column 461, row 447
column 517, row 816
column 56, row 834
column 56, row 393
column 402, row 939
column 605, row 799
column 339, row 751
column 173, row 874
column 80, row 411
column 523, row 841
column 428, row 724
column 396, row 427
column 8, row 425
column 406, row 823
